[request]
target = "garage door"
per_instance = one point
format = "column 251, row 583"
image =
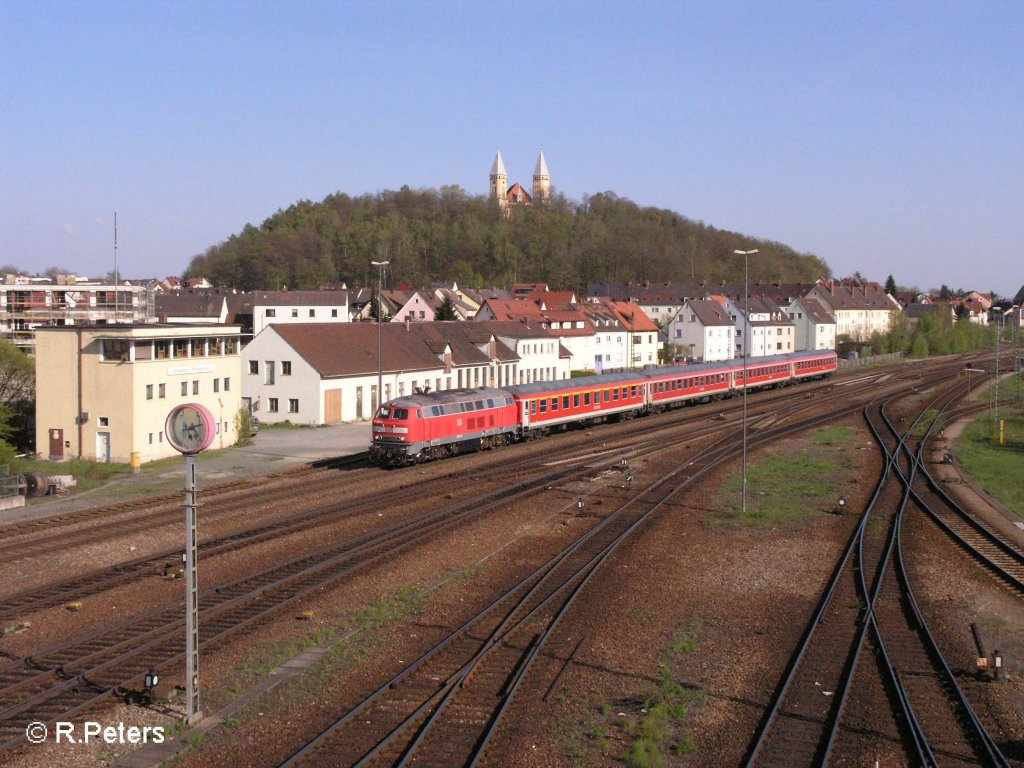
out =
column 332, row 406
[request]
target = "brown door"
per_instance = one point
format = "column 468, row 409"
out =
column 332, row 406
column 56, row 443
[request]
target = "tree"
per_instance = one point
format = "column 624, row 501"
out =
column 17, row 374
column 962, row 313
column 447, row 310
column 890, row 286
column 920, row 347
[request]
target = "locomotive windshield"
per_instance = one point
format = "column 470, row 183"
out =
column 399, row 414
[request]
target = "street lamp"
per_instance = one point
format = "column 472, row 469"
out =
column 746, row 342
column 380, row 362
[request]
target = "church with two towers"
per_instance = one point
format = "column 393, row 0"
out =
column 515, row 195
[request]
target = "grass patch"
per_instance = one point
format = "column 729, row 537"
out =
column 647, row 729
column 993, row 466
column 835, row 436
column 785, row 489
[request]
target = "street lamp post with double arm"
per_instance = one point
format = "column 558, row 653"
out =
column 746, row 352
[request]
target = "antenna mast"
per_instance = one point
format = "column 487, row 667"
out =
column 116, row 276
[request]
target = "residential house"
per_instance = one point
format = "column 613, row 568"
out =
column 814, row 326
column 277, row 307
column 703, row 330
column 771, row 330
column 859, row 309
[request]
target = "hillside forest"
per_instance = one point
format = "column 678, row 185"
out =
column 431, row 235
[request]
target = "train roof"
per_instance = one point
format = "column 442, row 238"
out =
column 735, row 364
column 447, row 396
column 580, row 382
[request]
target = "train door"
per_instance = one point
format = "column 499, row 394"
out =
column 525, row 405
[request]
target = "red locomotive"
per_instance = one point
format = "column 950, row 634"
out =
column 428, row 426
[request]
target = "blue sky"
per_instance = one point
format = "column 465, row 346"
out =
column 886, row 137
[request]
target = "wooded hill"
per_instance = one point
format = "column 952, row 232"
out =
column 447, row 234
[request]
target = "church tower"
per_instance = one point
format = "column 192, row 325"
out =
column 499, row 181
column 541, row 181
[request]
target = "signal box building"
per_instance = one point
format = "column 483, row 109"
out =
column 103, row 393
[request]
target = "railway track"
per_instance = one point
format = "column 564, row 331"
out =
column 77, row 675
column 869, row 604
column 168, row 560
column 444, row 709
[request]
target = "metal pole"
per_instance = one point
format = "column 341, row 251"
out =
column 746, row 352
column 380, row 361
column 192, row 712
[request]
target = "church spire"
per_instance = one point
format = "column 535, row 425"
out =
column 499, row 180
column 541, row 180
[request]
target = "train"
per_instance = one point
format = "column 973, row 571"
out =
column 432, row 425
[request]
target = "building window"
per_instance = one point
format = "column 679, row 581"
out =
column 227, row 384
column 254, row 367
column 286, row 367
column 150, row 438
column 184, row 389
column 149, row 391
column 295, row 313
column 104, row 421
column 195, row 387
column 273, row 405
column 115, row 350
column 293, row 405
column 161, row 349
column 312, row 313
column 163, row 391
column 271, row 313
column 216, row 385
column 268, row 372
column 334, row 313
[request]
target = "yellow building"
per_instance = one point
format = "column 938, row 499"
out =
column 104, row 392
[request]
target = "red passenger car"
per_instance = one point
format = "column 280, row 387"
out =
column 546, row 404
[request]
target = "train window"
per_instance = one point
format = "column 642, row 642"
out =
column 533, row 406
column 400, row 414
column 544, row 405
column 586, row 398
column 490, row 403
column 615, row 394
column 575, row 401
column 437, row 410
column 554, row 404
column 632, row 391
column 508, row 399
column 607, row 395
column 565, row 403
column 384, row 412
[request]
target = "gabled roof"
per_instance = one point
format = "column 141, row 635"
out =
column 299, row 298
column 839, row 296
column 816, row 311
column 189, row 305
column 709, row 313
column 350, row 349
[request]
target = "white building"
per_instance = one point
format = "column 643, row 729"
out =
column 859, row 310
column 815, row 328
column 771, row 330
column 269, row 307
column 703, row 329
